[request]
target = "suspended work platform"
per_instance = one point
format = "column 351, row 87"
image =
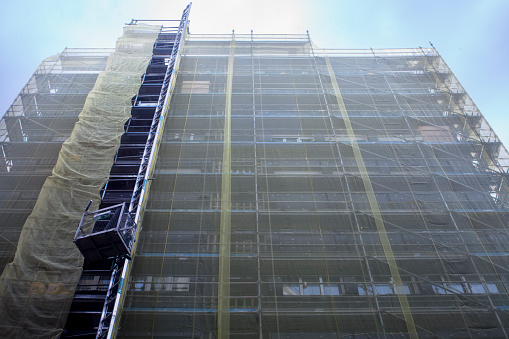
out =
column 105, row 233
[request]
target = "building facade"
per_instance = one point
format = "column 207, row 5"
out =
column 367, row 199
column 296, row 192
column 32, row 132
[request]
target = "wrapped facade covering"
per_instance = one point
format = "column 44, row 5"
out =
column 366, row 197
column 36, row 289
column 32, row 132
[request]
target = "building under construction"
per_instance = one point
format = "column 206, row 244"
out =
column 250, row 186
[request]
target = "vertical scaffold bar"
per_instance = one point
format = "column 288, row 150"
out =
column 375, row 209
column 223, row 307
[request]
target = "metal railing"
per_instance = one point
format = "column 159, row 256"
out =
column 105, row 233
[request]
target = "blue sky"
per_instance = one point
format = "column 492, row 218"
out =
column 471, row 35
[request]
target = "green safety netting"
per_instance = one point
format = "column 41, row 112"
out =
column 304, row 193
column 37, row 288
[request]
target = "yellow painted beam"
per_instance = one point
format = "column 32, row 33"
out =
column 223, row 294
column 375, row 209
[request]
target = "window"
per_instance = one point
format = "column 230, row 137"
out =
column 365, row 289
column 138, row 284
column 382, row 289
column 291, row 289
column 402, row 289
column 454, row 288
column 436, row 134
column 195, row 87
column 356, row 286
column 310, row 288
column 477, row 288
column 331, row 289
column 438, row 290
column 150, row 283
column 292, row 138
column 492, row 288
column 462, row 285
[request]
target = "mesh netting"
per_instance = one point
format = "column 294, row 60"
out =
column 366, row 198
column 32, row 132
column 36, row 289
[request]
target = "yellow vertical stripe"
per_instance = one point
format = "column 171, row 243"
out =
column 377, row 215
column 223, row 308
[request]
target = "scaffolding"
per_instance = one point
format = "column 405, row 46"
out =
column 33, row 129
column 37, row 287
column 259, row 187
column 367, row 198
